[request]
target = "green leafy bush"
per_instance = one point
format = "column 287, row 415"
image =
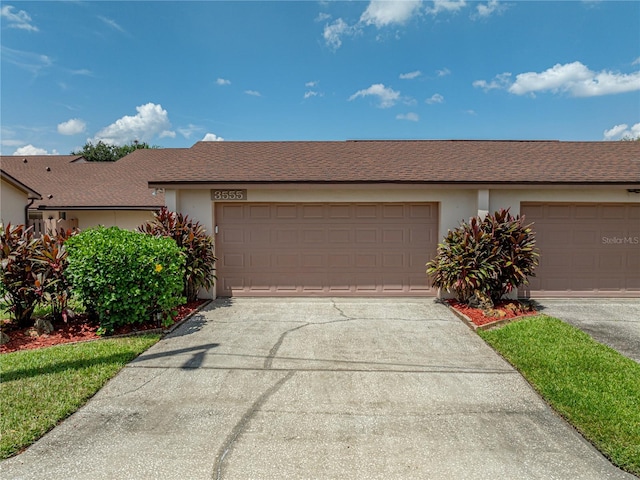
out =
column 197, row 245
column 125, row 277
column 485, row 258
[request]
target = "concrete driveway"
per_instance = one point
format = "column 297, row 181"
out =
column 331, row 389
column 614, row 322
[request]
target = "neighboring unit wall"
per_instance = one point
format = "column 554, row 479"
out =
column 513, row 198
column 12, row 204
column 125, row 219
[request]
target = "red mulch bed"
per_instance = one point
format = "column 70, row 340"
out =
column 79, row 329
column 504, row 310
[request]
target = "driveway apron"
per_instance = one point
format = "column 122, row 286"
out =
column 315, row 388
column 612, row 321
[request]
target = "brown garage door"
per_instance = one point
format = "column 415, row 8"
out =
column 300, row 249
column 586, row 249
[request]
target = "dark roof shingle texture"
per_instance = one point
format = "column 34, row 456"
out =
column 421, row 161
column 69, row 184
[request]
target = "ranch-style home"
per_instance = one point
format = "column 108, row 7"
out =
column 361, row 218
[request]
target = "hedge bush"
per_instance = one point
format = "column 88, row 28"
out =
column 485, row 258
column 198, row 248
column 125, row 277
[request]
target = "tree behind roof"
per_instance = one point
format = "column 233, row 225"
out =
column 103, row 152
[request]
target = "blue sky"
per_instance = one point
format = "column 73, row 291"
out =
column 174, row 73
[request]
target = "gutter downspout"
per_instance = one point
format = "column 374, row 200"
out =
column 26, row 212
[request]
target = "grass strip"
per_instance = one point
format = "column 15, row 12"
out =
column 39, row 388
column 591, row 385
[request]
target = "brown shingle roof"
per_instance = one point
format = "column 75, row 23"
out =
column 31, row 193
column 422, row 161
column 65, row 183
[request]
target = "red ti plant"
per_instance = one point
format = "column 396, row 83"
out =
column 19, row 282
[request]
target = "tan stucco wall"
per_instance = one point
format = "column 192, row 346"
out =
column 513, row 198
column 126, row 219
column 12, row 204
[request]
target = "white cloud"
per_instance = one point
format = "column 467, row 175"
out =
column 451, row 6
column 577, row 80
column 387, row 96
column 31, row 150
column 189, row 130
column 310, row 93
column 622, row 131
column 223, row 81
column 72, row 127
column 411, row 116
column 151, row 120
column 311, row 84
column 82, row 71
column 334, row 32
column 383, row 13
column 112, row 23
column 410, row 75
column 322, row 17
column 435, row 98
column 19, row 19
column 485, row 11
column 444, row 72
column 636, row 61
column 471, row 112
column 32, row 62
column 167, row 133
column 253, row 93
column 499, row 81
column 212, row 137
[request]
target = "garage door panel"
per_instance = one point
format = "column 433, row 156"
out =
column 258, row 212
column 586, row 249
column 325, row 249
column 339, row 211
column 425, row 212
column 367, row 260
column 393, row 236
column 393, row 211
column 366, row 235
column 342, row 235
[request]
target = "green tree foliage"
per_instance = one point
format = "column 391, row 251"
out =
column 103, row 152
column 196, row 244
column 125, row 277
column 485, row 258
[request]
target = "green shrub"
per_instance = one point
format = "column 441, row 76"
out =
column 485, row 258
column 125, row 277
column 197, row 245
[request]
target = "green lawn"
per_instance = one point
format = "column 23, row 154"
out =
column 39, row 388
column 595, row 388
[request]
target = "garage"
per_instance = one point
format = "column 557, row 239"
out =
column 586, row 249
column 325, row 249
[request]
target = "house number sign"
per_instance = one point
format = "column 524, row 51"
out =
column 228, row 195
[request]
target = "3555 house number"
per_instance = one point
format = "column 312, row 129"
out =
column 228, row 195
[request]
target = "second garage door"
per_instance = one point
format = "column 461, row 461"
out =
column 586, row 249
column 303, row 249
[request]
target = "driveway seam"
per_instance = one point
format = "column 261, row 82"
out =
column 276, row 346
column 239, row 428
